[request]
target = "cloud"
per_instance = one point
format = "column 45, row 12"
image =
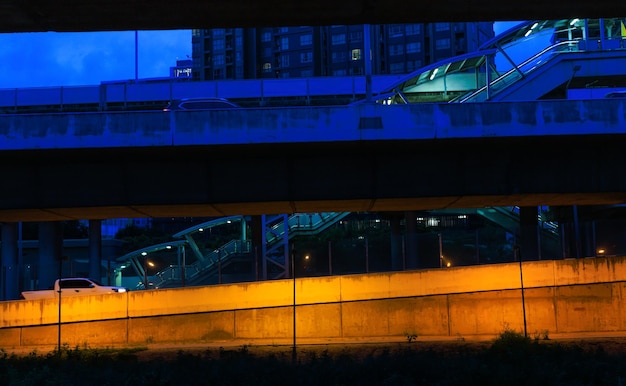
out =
column 88, row 58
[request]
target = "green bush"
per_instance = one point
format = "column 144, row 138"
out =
column 511, row 359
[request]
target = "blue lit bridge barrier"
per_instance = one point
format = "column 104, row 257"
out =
column 151, row 94
column 365, row 122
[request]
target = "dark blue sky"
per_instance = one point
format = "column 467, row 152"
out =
column 87, row 58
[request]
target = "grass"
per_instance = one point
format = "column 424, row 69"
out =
column 511, row 359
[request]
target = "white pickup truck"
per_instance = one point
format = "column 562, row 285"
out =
column 72, row 287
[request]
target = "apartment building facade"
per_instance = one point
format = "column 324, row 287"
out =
column 338, row 50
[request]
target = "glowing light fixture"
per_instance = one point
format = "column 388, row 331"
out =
column 144, row 253
column 432, row 76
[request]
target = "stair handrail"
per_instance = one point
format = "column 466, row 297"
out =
column 515, row 69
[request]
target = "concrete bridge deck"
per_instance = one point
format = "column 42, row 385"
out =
column 259, row 161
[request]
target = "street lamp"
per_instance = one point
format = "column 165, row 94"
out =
column 145, row 270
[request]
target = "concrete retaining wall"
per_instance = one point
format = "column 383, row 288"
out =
column 565, row 296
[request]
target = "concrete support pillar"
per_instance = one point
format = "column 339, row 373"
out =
column 95, row 249
column 397, row 258
column 412, row 260
column 10, row 263
column 588, row 231
column 50, row 253
column 529, row 233
column 256, row 228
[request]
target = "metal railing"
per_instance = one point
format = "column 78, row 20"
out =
column 519, row 71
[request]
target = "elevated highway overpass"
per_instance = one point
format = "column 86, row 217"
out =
column 311, row 159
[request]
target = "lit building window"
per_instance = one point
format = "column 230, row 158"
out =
column 267, row 67
column 356, row 54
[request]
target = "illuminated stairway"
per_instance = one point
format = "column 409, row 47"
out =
column 205, row 267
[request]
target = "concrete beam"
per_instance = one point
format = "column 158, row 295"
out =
column 269, row 161
column 98, row 15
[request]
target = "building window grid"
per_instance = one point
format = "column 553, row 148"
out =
column 396, row 49
column 396, row 68
column 339, row 39
column 356, row 36
column 218, row 44
column 342, row 35
column 339, row 57
column 413, row 47
column 396, row 30
column 219, row 60
column 442, row 44
column 306, row 57
column 413, row 29
column 441, row 27
column 306, row 40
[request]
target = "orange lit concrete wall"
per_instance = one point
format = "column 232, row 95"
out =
column 565, row 296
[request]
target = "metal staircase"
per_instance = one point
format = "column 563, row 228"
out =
column 202, row 267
